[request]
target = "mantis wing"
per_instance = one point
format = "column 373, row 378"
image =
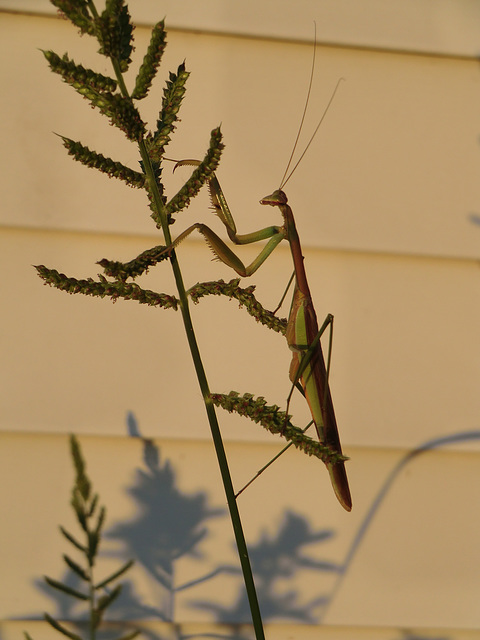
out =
column 302, row 330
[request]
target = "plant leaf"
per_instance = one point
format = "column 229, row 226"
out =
column 106, row 600
column 76, row 568
column 65, row 588
column 93, row 506
column 100, row 521
column 59, row 627
column 115, row 575
column 130, row 636
column 87, row 82
column 135, row 267
column 71, row 539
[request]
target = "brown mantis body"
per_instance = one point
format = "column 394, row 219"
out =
column 302, row 331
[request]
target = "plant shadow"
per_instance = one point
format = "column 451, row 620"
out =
column 170, row 524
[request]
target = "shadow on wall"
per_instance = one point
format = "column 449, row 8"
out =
column 474, row 217
column 171, row 524
column 275, row 560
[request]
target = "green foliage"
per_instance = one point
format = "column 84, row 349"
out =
column 91, row 518
column 113, row 30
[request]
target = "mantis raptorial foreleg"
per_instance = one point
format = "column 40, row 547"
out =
column 225, row 254
column 222, row 252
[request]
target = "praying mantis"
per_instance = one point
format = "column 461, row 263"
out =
column 308, row 364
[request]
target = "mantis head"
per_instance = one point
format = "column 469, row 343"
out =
column 276, row 199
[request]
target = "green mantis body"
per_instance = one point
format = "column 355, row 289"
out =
column 308, row 364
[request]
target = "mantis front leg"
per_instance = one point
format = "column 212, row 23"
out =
column 222, row 252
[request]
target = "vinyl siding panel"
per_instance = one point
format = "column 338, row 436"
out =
column 438, row 28
column 386, row 202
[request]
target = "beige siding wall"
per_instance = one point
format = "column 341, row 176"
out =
column 384, row 202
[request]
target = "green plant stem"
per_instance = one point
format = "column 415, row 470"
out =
column 202, row 380
column 91, row 604
column 211, row 415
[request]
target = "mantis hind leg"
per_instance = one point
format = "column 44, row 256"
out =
column 284, row 293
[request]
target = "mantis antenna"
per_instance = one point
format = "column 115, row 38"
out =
column 286, row 177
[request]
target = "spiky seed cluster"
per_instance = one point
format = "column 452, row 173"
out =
column 275, row 421
column 245, row 298
column 114, row 32
column 202, row 173
column 122, row 114
column 77, row 76
column 95, row 160
column 77, row 12
column 135, row 267
column 151, row 61
column 103, row 288
column 113, row 28
column 93, row 87
column 171, row 102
